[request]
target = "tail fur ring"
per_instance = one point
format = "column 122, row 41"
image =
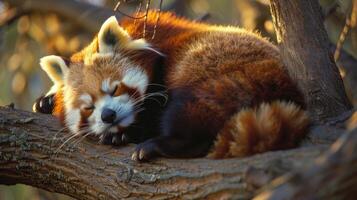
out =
column 270, row 126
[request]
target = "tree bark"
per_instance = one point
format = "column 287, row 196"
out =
column 305, row 51
column 29, row 141
column 333, row 176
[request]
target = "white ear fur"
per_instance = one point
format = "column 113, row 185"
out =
column 53, row 65
column 137, row 44
column 111, row 34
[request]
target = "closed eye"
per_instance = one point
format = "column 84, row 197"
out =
column 89, row 108
column 113, row 92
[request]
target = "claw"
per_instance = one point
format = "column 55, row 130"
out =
column 124, row 138
column 141, row 154
column 145, row 151
column 134, row 157
column 114, row 140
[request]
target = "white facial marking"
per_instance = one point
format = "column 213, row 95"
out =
column 73, row 118
column 136, row 78
column 106, row 85
column 123, row 107
column 86, row 98
column 122, row 98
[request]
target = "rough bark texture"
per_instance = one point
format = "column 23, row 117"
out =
column 305, row 50
column 28, row 144
column 30, row 154
column 333, row 176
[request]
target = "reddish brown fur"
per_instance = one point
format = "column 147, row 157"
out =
column 219, row 79
column 59, row 109
column 256, row 130
column 89, row 79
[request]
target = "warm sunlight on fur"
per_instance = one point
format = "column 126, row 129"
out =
column 222, row 81
column 278, row 125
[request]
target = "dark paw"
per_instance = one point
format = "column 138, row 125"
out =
column 146, row 151
column 114, row 139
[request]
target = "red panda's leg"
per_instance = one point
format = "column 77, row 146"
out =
column 166, row 146
column 187, row 129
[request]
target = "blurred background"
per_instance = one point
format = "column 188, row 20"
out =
column 29, row 32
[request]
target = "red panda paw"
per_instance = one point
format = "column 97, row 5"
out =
column 114, row 139
column 146, row 151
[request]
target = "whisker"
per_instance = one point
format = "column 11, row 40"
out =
column 59, row 131
column 147, row 96
column 139, row 110
column 82, row 132
column 70, row 138
column 156, row 84
column 81, row 139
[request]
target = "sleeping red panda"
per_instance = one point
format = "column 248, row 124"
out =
column 229, row 94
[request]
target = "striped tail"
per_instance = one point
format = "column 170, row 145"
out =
column 270, row 126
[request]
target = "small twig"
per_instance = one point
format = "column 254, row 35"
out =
column 117, row 5
column 116, row 8
column 342, row 37
column 157, row 21
column 138, row 11
column 146, row 16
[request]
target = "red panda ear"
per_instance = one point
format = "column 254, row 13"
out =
column 112, row 35
column 55, row 67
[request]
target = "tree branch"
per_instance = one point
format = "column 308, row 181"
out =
column 28, row 142
column 305, row 51
column 332, row 176
column 85, row 15
column 84, row 170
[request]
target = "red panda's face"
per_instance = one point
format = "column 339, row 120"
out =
column 104, row 96
column 102, row 92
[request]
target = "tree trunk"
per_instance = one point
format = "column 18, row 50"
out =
column 30, row 154
column 31, row 150
column 305, row 51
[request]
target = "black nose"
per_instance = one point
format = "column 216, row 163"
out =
column 108, row 115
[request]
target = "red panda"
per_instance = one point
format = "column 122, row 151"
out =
column 228, row 91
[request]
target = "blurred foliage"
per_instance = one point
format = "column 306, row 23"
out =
column 26, row 39
column 24, row 192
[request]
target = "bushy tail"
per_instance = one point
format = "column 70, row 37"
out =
column 270, row 126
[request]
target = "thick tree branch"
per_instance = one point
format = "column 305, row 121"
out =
column 89, row 171
column 84, row 170
column 333, row 176
column 305, row 50
column 87, row 16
